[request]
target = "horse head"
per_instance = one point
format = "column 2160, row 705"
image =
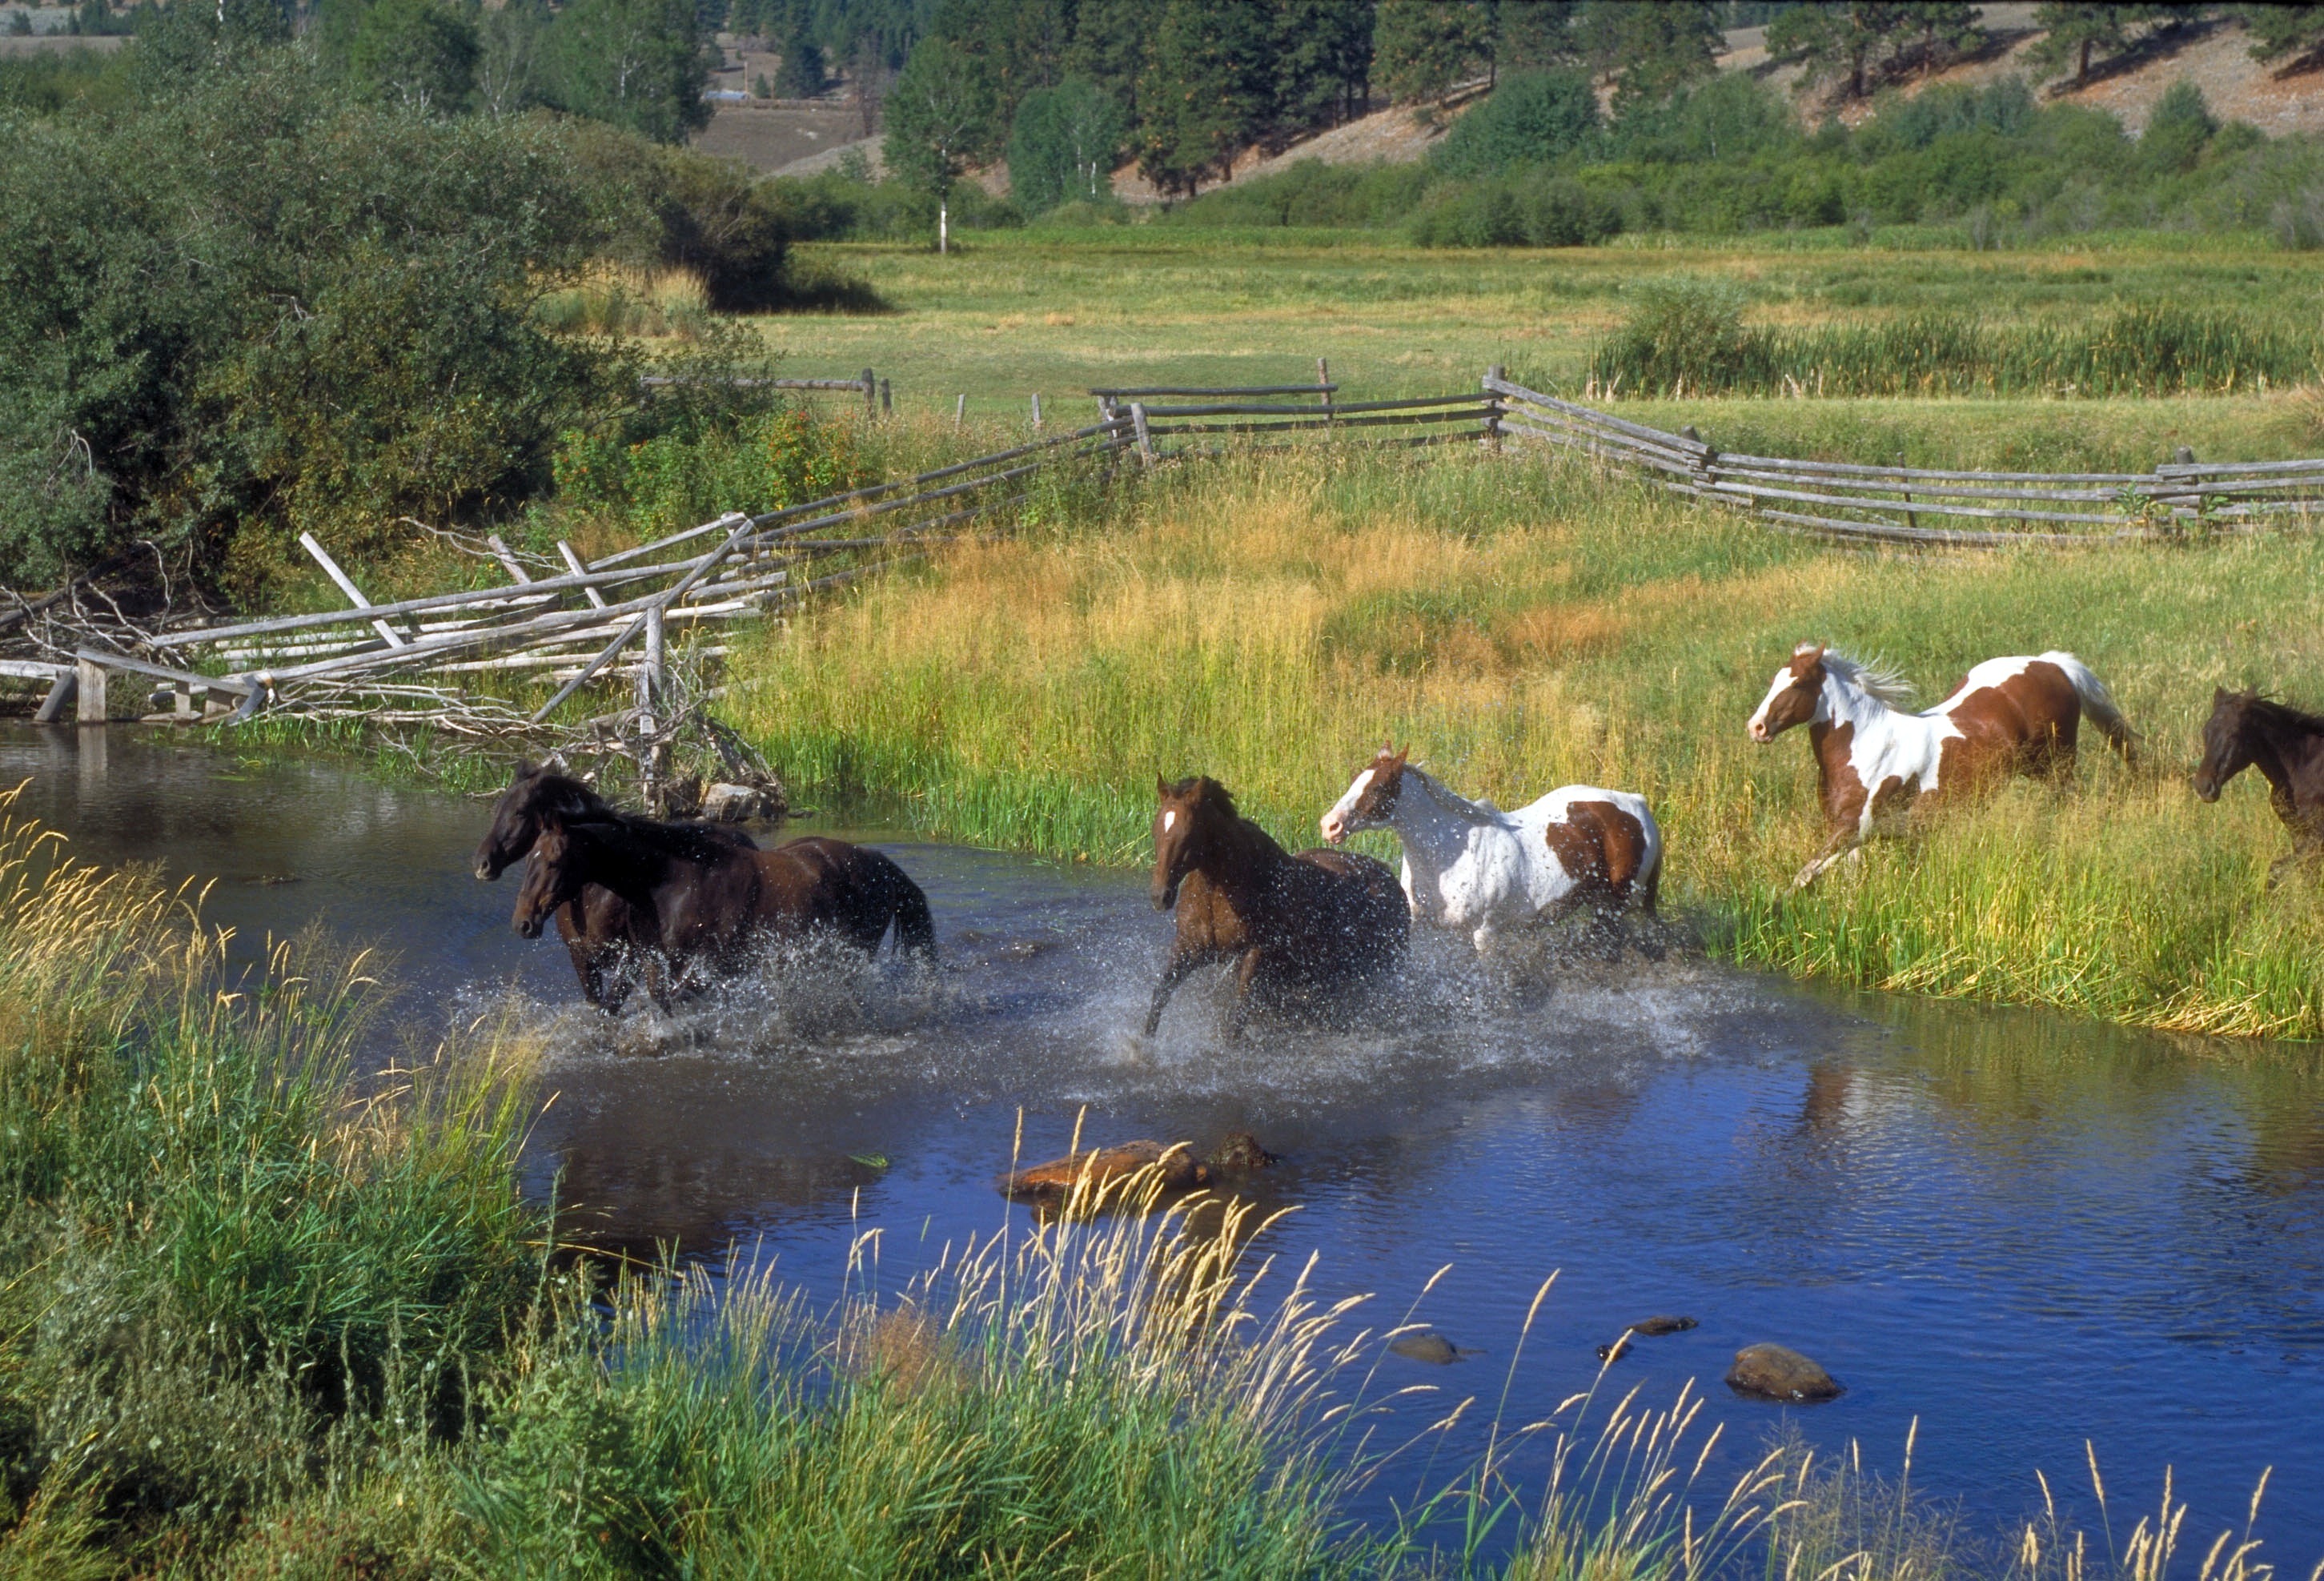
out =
column 2226, row 741
column 552, row 879
column 1185, row 821
column 1370, row 801
column 1795, row 696
column 536, row 792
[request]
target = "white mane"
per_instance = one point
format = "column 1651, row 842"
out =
column 1873, row 679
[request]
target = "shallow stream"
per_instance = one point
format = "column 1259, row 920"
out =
column 2022, row 1231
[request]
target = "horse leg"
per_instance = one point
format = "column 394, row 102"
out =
column 1239, row 1005
column 1846, row 840
column 1181, row 962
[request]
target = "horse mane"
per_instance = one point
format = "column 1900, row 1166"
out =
column 1202, row 788
column 1882, row 682
column 568, row 801
column 686, row 842
column 2279, row 712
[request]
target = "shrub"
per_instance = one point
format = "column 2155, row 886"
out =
column 252, row 309
column 1531, row 117
column 1681, row 333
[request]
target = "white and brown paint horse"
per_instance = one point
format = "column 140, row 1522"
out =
column 1473, row 868
column 2007, row 716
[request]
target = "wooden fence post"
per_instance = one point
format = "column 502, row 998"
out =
column 89, row 681
column 1037, row 411
column 1323, row 377
column 960, row 411
column 649, row 689
column 60, row 692
column 1145, row 441
column 347, row 585
column 870, row 397
column 886, row 400
column 1493, row 375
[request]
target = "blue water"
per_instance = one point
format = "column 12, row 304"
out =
column 2020, row 1232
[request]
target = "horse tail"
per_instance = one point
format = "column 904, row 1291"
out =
column 2098, row 704
column 916, row 930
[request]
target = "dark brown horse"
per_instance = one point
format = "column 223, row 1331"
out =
column 2247, row 731
column 595, row 924
column 1291, row 926
column 802, row 888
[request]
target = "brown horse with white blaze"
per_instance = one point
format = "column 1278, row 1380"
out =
column 2019, row 715
column 1291, row 925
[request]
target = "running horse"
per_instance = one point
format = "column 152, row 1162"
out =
column 681, row 897
column 2007, row 716
column 1473, row 868
column 2286, row 745
column 1291, row 925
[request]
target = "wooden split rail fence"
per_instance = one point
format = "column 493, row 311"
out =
column 1932, row 507
column 565, row 625
column 403, row 661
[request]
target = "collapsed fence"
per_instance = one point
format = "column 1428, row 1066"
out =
column 568, row 622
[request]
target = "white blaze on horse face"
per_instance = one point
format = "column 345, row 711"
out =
column 1169, row 819
column 1757, row 728
column 1335, row 823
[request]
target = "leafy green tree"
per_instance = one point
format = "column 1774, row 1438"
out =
column 1113, row 44
column 1063, row 146
column 420, row 54
column 1323, row 61
column 185, row 39
column 1533, row 35
column 940, row 121
column 637, row 64
column 1839, row 43
column 2075, row 33
column 1647, row 50
column 233, row 312
column 1532, row 117
column 2294, row 33
column 2178, row 130
column 1208, row 91
column 509, row 56
column 1420, row 48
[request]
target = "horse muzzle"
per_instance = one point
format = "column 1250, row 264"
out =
column 527, row 927
column 1758, row 731
column 1333, row 829
column 486, row 871
column 2205, row 790
column 1166, row 894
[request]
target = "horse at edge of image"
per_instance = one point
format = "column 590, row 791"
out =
column 2286, row 745
column 813, row 885
column 2015, row 715
column 1472, row 869
column 1290, row 925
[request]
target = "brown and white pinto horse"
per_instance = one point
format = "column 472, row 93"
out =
column 1471, row 868
column 2007, row 716
column 1291, row 926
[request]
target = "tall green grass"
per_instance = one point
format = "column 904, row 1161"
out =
column 1525, row 623
column 1683, row 338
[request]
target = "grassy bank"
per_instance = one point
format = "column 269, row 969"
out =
column 1524, row 624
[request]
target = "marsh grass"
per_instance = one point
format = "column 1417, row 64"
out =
column 1525, row 623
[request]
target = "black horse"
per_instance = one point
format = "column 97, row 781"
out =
column 595, row 923
column 2247, row 731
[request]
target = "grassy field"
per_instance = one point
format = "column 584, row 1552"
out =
column 1523, row 624
column 1058, row 311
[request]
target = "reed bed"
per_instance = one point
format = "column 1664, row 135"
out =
column 2148, row 350
column 1525, row 623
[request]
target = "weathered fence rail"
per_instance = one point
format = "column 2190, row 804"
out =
column 1868, row 502
column 566, row 623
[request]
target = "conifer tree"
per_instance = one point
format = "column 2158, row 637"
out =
column 1420, row 48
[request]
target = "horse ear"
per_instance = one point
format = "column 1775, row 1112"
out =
column 2219, row 694
column 1404, row 757
column 1161, row 785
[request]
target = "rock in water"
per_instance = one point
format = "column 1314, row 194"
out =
column 733, row 804
column 1431, row 1347
column 1651, row 1327
column 1774, row 1371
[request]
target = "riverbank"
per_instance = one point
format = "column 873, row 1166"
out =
column 1523, row 623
